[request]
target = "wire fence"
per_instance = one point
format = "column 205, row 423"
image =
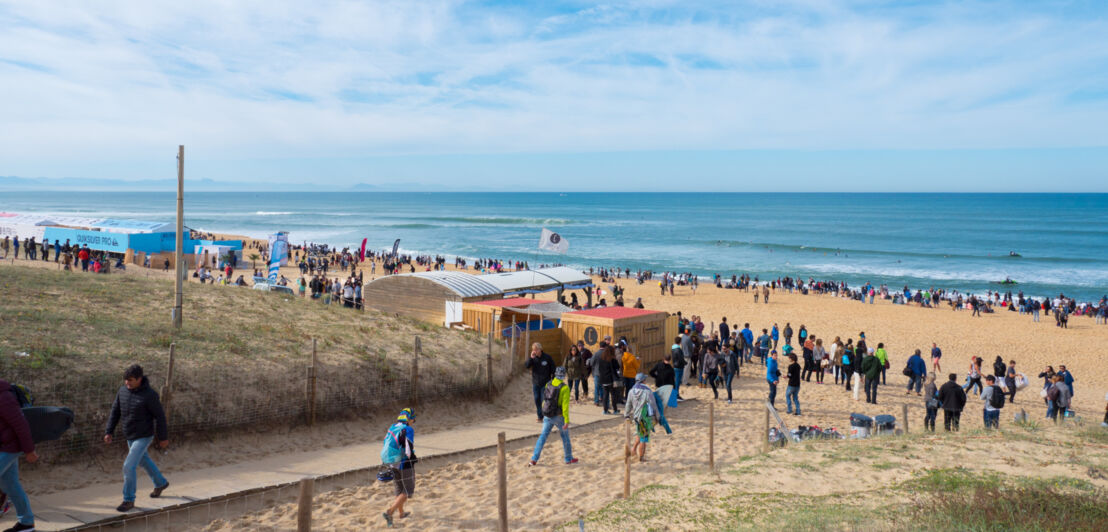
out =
column 211, row 399
column 197, row 515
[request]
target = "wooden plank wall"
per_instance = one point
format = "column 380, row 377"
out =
column 551, row 340
column 479, row 317
column 646, row 334
column 409, row 296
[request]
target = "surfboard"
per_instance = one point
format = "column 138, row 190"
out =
column 668, row 398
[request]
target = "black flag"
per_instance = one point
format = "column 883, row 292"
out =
column 395, row 246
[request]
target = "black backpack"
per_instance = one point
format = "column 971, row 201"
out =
column 997, row 399
column 550, row 403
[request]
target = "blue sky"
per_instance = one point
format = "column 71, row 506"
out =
column 655, row 95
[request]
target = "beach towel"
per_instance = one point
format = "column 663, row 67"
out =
column 660, row 395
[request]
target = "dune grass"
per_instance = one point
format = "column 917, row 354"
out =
column 745, row 497
column 78, row 322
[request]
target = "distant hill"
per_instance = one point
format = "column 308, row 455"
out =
column 208, row 185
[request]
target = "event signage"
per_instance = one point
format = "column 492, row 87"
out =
column 96, row 240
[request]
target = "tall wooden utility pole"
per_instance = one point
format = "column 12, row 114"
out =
column 179, row 257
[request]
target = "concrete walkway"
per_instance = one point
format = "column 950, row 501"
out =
column 72, row 508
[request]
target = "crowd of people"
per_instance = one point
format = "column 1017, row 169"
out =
column 714, row 358
column 67, row 256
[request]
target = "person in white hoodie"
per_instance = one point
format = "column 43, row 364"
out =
column 642, row 410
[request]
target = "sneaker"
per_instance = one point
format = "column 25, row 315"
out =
column 20, row 527
column 573, row 461
column 388, row 519
column 532, row 463
column 158, row 491
column 405, row 515
column 728, row 401
column 125, row 506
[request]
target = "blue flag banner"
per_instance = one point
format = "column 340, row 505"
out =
column 279, row 251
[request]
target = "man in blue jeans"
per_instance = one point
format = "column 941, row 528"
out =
column 138, row 406
column 542, row 369
column 772, row 376
column 555, row 411
column 992, row 413
column 15, row 440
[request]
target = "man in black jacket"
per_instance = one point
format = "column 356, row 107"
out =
column 542, row 370
column 137, row 405
column 953, row 399
column 663, row 373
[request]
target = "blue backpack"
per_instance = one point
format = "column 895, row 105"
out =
column 391, row 451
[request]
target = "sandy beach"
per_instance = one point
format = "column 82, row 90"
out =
column 462, row 495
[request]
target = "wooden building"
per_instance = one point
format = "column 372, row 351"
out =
column 645, row 330
column 497, row 314
column 434, row 297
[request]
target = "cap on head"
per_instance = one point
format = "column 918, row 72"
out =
column 560, row 372
column 406, row 415
column 641, row 377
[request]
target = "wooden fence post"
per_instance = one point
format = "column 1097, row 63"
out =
column 488, row 367
column 312, row 380
column 304, row 510
column 502, row 482
column 527, row 337
column 765, row 432
column 904, row 415
column 167, row 393
column 627, row 462
column 515, row 344
column 414, row 392
column 712, row 436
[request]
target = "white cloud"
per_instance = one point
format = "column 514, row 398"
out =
column 95, row 81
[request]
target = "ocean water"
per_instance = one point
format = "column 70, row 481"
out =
column 954, row 241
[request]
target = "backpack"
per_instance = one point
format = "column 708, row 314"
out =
column 391, row 451
column 997, row 399
column 550, row 403
column 23, row 395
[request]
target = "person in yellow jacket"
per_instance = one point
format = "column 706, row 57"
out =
column 555, row 413
column 631, row 364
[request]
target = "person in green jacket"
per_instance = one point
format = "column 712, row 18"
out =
column 883, row 356
column 871, row 370
column 555, row 412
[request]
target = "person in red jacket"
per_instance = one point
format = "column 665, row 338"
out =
column 15, row 440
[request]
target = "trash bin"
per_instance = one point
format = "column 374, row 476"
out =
column 860, row 425
column 884, row 424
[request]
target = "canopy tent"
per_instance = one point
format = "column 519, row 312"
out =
column 538, row 281
column 551, row 310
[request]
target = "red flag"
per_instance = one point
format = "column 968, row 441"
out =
column 363, row 248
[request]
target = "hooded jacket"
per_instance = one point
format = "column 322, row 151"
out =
column 15, row 433
column 141, row 412
column 952, row 397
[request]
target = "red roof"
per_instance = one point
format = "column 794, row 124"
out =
column 512, row 302
column 615, row 313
